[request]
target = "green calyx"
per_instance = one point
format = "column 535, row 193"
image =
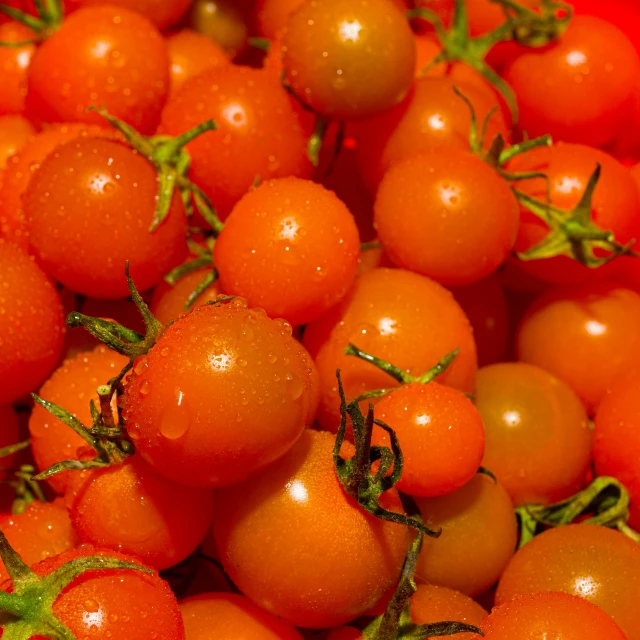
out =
column 48, row 18
column 356, row 474
column 605, row 501
column 28, row 611
column 573, row 233
column 171, row 160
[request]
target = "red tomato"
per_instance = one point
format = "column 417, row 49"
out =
column 9, row 434
column 272, row 15
column 31, row 324
column 15, row 132
column 224, row 21
column 14, row 62
column 299, row 513
column 101, row 56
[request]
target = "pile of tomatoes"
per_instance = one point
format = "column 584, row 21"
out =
column 319, row 319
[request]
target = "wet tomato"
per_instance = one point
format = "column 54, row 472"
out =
column 15, row 132
column 14, row 62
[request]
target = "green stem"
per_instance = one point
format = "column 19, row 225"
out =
column 395, row 372
column 317, row 138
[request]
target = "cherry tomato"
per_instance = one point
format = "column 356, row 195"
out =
column 15, row 132
column 431, row 118
column 191, row 53
column 224, row 21
column 40, row 531
column 615, row 205
column 596, row 563
column 101, row 56
column 586, row 79
column 430, row 215
column 440, row 433
column 259, row 133
column 88, row 210
column 401, row 317
column 550, row 615
column 289, row 234
column 9, row 434
column 616, row 439
column 31, row 324
column 299, row 512
column 14, row 62
column 479, row 534
column 587, row 336
column 272, row 15
column 224, row 392
column 349, row 61
column 227, row 615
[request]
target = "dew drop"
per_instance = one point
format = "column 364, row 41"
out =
column 145, row 388
column 140, row 365
column 294, row 387
column 164, row 352
column 176, row 418
column 271, row 358
column 91, row 606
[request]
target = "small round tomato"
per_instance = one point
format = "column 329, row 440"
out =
column 479, row 535
column 288, row 235
column 100, row 56
column 31, row 324
column 550, row 615
column 224, row 392
column 40, row 531
column 88, row 211
column 226, row 615
column 191, row 53
column 586, row 78
column 432, row 117
column 348, row 61
column 259, row 132
column 616, row 439
column 441, row 436
column 299, row 512
column 401, row 317
column 71, row 386
column 272, row 15
column 538, row 437
column 596, row 563
column 431, row 216
column 224, row 21
column 14, row 62
column 15, row 133
column 587, row 336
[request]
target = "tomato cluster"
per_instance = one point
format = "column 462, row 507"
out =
column 319, row 319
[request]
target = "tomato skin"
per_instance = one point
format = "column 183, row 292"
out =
column 259, row 132
column 289, row 234
column 572, row 332
column 101, row 56
column 401, row 317
column 224, row 392
column 89, row 208
column 348, row 61
column 15, row 132
column 14, row 62
column 430, row 215
column 550, row 615
column 479, row 535
column 272, row 15
column 31, row 324
column 300, row 512
column 586, row 77
column 596, row 563
column 227, row 614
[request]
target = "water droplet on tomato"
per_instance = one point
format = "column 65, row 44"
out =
column 176, row 418
column 145, row 388
column 113, row 617
column 294, row 387
column 91, row 606
column 164, row 352
column 271, row 358
column 140, row 365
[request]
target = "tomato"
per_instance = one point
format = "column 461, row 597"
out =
column 227, row 615
column 615, row 205
column 102, row 56
column 9, row 434
column 272, row 15
column 22, row 166
column 259, row 132
column 550, row 615
column 348, row 61
column 573, row 332
column 31, row 324
column 586, row 79
column 163, row 13
column 191, row 53
column 72, row 386
column 431, row 118
column 431, row 216
column 288, row 234
column 401, row 317
column 596, row 563
column 538, row 436
column 15, row 132
column 224, row 21
column 299, row 512
column 131, row 508
column 621, row 13
column 89, row 208
column 14, row 62
column 485, row 304
column 440, row 433
column 479, row 535
column 616, row 441
column 40, row 531
column 224, row 392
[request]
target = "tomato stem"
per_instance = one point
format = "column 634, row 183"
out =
column 27, row 489
column 48, row 19
column 317, row 138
